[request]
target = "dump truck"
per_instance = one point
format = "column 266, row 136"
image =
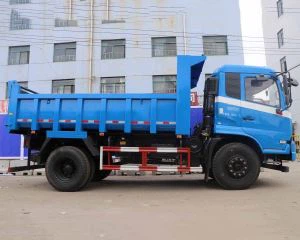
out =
column 80, row 138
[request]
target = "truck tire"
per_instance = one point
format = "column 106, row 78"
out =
column 100, row 175
column 68, row 169
column 211, row 174
column 236, row 166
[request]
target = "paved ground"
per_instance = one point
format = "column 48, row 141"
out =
column 152, row 207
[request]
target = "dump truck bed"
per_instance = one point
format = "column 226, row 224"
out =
column 73, row 115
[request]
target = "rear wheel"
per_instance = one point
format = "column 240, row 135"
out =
column 68, row 169
column 236, row 166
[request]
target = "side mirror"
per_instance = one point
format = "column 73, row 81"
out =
column 287, row 91
column 286, row 85
column 293, row 82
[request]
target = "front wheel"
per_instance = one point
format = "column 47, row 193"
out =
column 236, row 166
column 68, row 169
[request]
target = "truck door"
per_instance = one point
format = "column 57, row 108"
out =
column 262, row 118
column 227, row 115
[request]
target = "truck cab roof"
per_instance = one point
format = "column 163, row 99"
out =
column 245, row 69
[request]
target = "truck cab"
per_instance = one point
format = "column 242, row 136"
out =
column 251, row 103
column 248, row 106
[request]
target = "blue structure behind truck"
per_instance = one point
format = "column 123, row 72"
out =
column 82, row 137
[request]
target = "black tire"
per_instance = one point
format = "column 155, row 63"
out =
column 93, row 168
column 68, row 169
column 100, row 175
column 236, row 166
column 211, row 174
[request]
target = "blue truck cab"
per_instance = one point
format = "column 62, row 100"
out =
column 251, row 104
column 245, row 125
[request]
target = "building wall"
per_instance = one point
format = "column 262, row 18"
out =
column 142, row 20
column 289, row 22
column 252, row 31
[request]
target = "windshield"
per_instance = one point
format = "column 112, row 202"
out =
column 265, row 92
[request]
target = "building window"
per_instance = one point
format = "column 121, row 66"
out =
column 233, row 85
column 113, row 49
column 112, row 85
column 17, row 22
column 283, row 64
column 164, row 47
column 164, row 84
column 280, row 7
column 280, row 38
column 18, row 55
column 215, row 45
column 63, row 86
column 65, row 23
column 23, row 84
column 64, row 52
column 11, row 2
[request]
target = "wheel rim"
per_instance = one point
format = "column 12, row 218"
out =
column 65, row 169
column 237, row 167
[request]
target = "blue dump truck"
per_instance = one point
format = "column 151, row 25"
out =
column 80, row 138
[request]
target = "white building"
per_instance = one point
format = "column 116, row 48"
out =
column 113, row 45
column 281, row 21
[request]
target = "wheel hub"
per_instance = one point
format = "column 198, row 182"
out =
column 237, row 167
column 67, row 170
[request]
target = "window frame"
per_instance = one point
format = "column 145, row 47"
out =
column 280, row 38
column 169, row 75
column 279, row 5
column 10, row 52
column 55, row 60
column 263, row 104
column 283, row 61
column 207, row 51
column 164, row 50
column 17, row 22
column 113, row 47
column 114, row 84
column 61, row 23
column 16, row 2
column 61, row 80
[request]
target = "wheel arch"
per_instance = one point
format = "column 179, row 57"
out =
column 239, row 139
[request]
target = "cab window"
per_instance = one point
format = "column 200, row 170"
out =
column 233, row 85
column 262, row 91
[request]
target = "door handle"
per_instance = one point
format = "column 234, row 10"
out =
column 248, row 118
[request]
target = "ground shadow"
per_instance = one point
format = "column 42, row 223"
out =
column 162, row 183
column 157, row 183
